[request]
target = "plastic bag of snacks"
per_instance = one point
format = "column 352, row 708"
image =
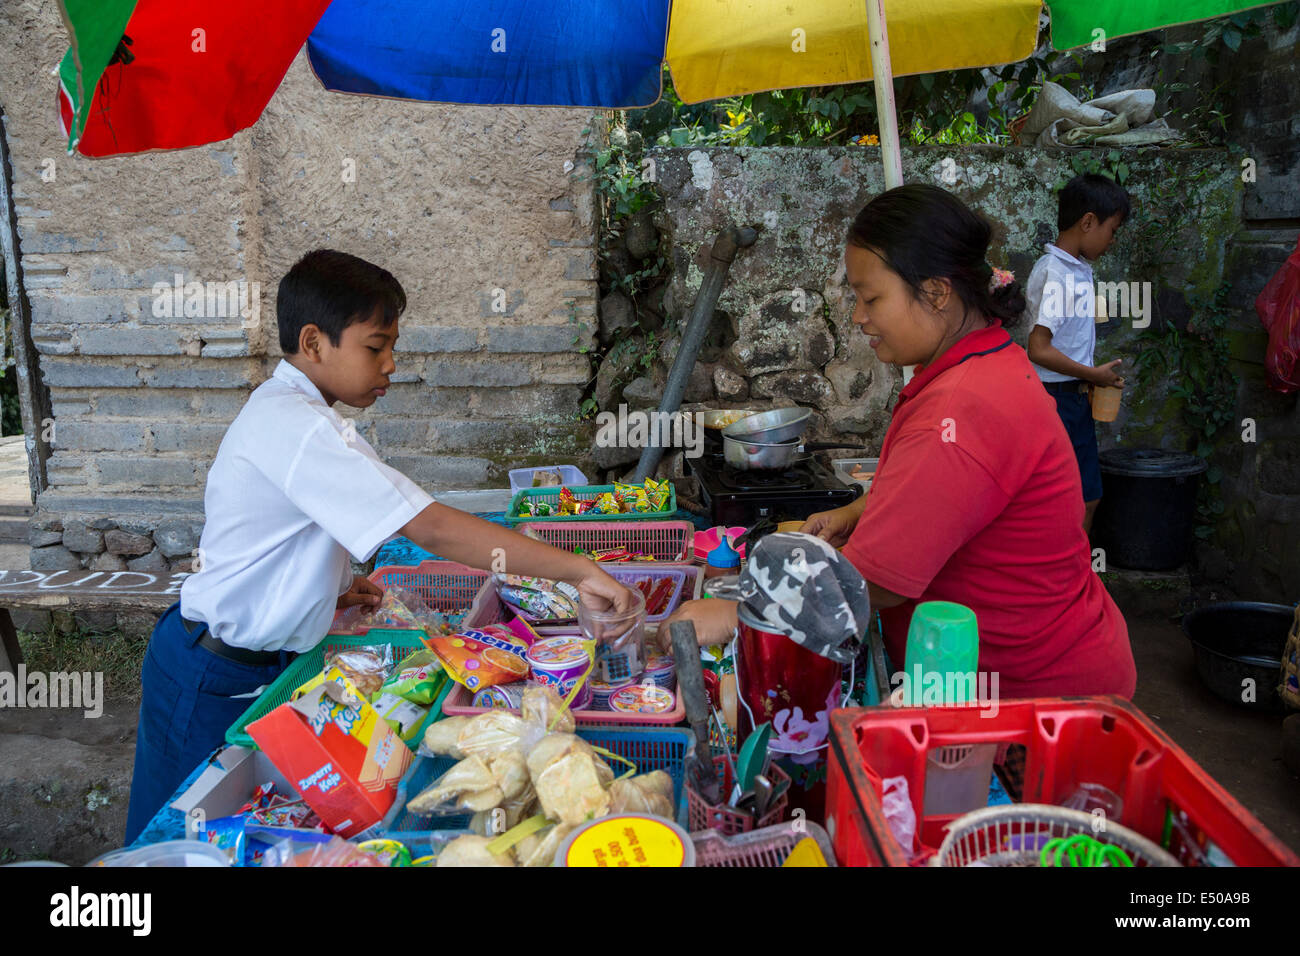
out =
column 367, row 667
column 538, row 599
column 330, row 851
column 418, row 678
column 645, row 499
column 478, row 658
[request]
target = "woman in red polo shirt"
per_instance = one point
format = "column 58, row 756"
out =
column 976, row 498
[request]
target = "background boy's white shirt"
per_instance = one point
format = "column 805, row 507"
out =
column 293, row 491
column 1069, row 314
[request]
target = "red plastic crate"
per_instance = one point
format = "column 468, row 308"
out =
column 1070, row 740
column 668, row 541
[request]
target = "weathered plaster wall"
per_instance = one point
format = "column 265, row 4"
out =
column 481, row 213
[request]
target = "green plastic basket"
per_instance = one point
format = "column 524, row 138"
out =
column 582, row 493
column 310, row 663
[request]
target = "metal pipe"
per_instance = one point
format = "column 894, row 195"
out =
column 723, row 253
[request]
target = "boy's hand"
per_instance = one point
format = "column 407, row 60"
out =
column 599, row 591
column 363, row 591
column 1106, row 375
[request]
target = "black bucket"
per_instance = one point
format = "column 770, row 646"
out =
column 1236, row 641
column 1148, row 507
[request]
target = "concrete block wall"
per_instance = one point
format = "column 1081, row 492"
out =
column 483, row 214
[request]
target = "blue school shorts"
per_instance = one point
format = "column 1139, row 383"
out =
column 1076, row 414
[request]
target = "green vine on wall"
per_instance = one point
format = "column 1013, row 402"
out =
column 623, row 190
column 1195, row 360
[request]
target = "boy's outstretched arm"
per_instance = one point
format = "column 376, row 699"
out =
column 481, row 544
column 1043, row 353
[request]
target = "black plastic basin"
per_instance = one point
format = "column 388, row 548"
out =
column 1239, row 640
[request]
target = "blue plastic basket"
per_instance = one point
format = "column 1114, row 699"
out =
column 663, row 749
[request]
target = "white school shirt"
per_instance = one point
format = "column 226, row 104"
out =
column 1061, row 297
column 293, row 491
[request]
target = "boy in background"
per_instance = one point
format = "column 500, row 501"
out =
column 292, row 494
column 1060, row 297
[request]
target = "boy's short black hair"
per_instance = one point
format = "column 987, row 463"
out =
column 1090, row 193
column 333, row 290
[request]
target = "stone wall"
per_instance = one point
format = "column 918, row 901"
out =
column 483, row 214
column 782, row 333
column 1256, row 550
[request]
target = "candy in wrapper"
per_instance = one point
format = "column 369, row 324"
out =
column 482, row 658
column 418, row 679
column 538, row 599
column 568, row 504
column 607, row 504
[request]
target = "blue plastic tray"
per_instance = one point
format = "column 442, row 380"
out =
column 660, row 749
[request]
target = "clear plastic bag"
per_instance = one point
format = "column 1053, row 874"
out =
column 367, row 667
column 334, row 851
column 896, row 802
column 1278, row 306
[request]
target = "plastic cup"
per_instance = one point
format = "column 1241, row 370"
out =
column 942, row 639
column 1105, row 402
column 619, row 637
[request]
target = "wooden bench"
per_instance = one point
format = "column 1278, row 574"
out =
column 79, row 591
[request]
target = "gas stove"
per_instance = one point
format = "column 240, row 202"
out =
column 736, row 497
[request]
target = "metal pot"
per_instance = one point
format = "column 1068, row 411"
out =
column 778, row 425
column 716, row 419
column 758, row 456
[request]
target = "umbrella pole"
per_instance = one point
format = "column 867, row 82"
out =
column 883, row 75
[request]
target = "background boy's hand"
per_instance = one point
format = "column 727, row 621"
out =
column 1107, row 375
column 833, row 527
column 363, row 591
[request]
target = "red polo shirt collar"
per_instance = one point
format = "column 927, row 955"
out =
column 991, row 338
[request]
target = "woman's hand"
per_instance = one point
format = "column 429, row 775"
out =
column 363, row 591
column 715, row 621
column 833, row 527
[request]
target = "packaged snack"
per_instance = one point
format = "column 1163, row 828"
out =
column 601, row 692
column 504, row 696
column 642, row 699
column 333, row 851
column 388, row 852
column 606, row 504
column 482, row 658
column 560, row 663
column 568, row 504
column 538, row 599
column 404, row 717
column 657, row 593
column 419, row 678
column 227, row 833
column 367, row 667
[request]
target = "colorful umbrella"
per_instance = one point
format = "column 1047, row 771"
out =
column 165, row 74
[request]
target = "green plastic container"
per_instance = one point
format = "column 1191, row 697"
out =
column 310, row 663
column 943, row 639
column 582, row 493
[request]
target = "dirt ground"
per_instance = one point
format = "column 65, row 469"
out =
column 65, row 779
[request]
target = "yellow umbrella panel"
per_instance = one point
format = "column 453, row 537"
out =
column 720, row 48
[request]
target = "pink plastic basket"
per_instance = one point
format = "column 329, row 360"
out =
column 446, row 586
column 488, row 609
column 669, row 541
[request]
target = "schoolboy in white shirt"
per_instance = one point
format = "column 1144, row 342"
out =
column 1061, row 303
column 292, row 494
